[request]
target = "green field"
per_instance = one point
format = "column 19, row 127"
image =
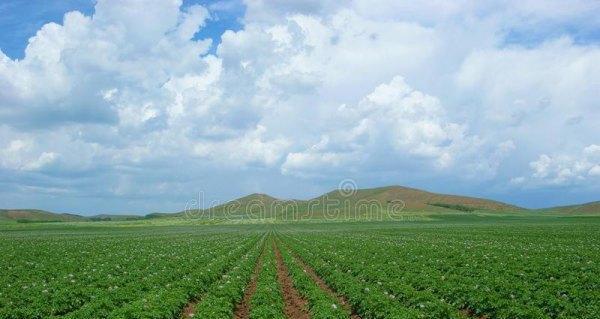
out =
column 439, row 266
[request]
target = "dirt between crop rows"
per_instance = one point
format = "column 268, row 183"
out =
column 321, row 283
column 189, row 309
column 242, row 309
column 471, row 314
column 295, row 307
column 468, row 313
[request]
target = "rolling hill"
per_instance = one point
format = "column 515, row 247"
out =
column 420, row 200
column 253, row 205
column 592, row 208
column 42, row 216
column 361, row 202
column 36, row 215
column 356, row 203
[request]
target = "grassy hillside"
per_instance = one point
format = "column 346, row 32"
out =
column 420, row 200
column 110, row 217
column 375, row 202
column 251, row 206
column 382, row 202
column 35, row 215
column 592, row 208
column 42, row 216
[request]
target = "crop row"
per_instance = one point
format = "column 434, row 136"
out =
column 167, row 302
column 223, row 295
column 442, row 273
column 267, row 301
column 369, row 300
column 389, row 271
column 321, row 304
column 111, row 276
column 421, row 304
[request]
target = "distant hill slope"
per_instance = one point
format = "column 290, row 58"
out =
column 36, row 215
column 361, row 202
column 253, row 205
column 419, row 200
column 592, row 208
column 111, row 217
column 354, row 203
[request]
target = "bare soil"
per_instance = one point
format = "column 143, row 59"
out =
column 323, row 285
column 469, row 313
column 295, row 306
column 242, row 309
column 190, row 309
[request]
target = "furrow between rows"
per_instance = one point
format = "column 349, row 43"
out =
column 295, row 304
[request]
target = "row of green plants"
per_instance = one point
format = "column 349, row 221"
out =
column 369, row 300
column 425, row 302
column 105, row 276
column 267, row 301
column 167, row 301
column 494, row 272
column 384, row 271
column 321, row 304
column 223, row 295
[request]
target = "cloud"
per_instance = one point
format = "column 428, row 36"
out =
column 562, row 169
column 307, row 92
column 519, row 85
column 21, row 155
column 67, row 67
column 251, row 148
column 395, row 122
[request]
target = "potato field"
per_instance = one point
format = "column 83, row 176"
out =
column 464, row 268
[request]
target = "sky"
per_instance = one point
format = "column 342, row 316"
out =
column 130, row 106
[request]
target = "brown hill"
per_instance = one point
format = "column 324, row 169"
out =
column 419, row 200
column 396, row 199
column 358, row 202
column 36, row 215
column 592, row 208
column 253, row 205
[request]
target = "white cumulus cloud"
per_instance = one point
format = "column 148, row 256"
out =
column 564, row 169
column 305, row 91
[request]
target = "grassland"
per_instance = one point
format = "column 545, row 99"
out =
column 383, row 203
column 444, row 266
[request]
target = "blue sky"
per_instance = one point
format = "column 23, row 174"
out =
column 129, row 106
column 20, row 20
